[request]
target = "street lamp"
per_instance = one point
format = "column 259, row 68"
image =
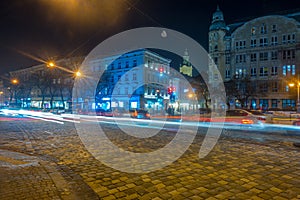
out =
column 78, row 74
column 2, row 98
column 51, row 64
column 15, row 81
column 298, row 99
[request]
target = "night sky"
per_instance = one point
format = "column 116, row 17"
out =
column 62, row 28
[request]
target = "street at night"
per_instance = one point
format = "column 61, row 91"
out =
column 47, row 160
column 149, row 99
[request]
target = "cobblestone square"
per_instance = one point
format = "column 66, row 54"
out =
column 41, row 160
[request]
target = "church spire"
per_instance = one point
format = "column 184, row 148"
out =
column 218, row 21
column 186, row 67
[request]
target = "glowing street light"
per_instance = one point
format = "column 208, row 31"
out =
column 15, row 81
column 78, row 74
column 298, row 98
column 51, row 64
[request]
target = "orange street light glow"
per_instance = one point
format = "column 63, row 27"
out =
column 15, row 81
column 78, row 73
column 292, row 84
column 50, row 64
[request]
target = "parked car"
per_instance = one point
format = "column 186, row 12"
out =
column 106, row 113
column 241, row 116
column 140, row 114
column 258, row 115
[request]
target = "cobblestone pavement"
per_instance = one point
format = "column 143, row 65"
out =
column 43, row 160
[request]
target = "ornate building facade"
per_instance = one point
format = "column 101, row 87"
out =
column 263, row 50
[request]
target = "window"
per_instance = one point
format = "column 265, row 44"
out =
column 253, row 57
column 227, row 59
column 274, row 28
column 263, row 42
column 293, row 69
column 274, row 55
column 236, row 45
column 274, row 71
column 263, row 71
column 253, row 30
column 288, row 103
column 134, row 63
column 227, row 73
column 286, row 88
column 253, row 72
column 119, row 65
column 237, row 59
column 288, row 54
column 274, row 87
column 264, row 87
column 263, row 29
column 274, row 103
column 293, row 54
column 134, row 76
column 263, row 56
column 216, row 48
column 216, row 60
column 288, row 38
column 242, row 44
column 274, row 40
column 227, row 45
column 284, row 70
column 240, row 72
column 253, row 43
column 240, row 58
column 283, row 39
column 127, row 64
column 293, row 38
column 244, row 58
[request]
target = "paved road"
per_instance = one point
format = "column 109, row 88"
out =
column 45, row 160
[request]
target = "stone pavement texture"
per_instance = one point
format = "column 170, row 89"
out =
column 43, row 160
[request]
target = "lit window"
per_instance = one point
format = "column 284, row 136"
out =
column 293, row 69
column 253, row 29
column 284, row 70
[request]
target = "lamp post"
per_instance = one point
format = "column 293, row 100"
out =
column 298, row 97
column 15, row 82
column 2, row 98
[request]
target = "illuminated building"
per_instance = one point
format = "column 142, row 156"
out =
column 265, row 50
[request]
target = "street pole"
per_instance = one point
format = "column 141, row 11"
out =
column 298, row 100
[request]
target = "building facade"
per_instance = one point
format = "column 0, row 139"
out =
column 41, row 86
column 263, row 50
column 135, row 80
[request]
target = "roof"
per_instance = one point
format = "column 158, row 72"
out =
column 294, row 14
